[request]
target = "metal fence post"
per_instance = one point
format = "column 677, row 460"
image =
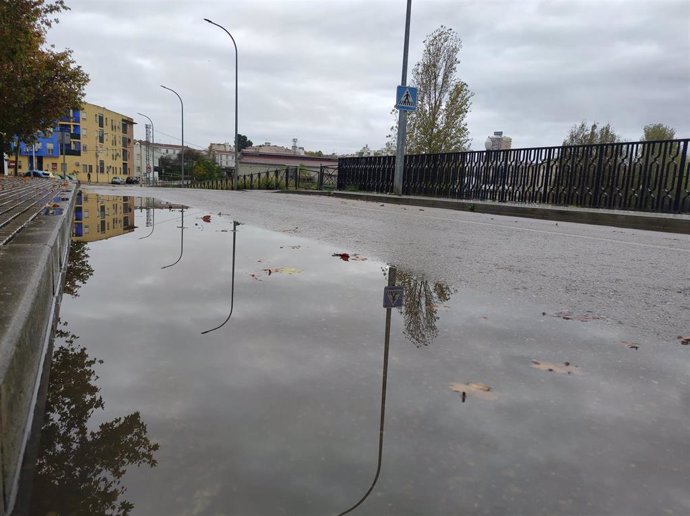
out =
column 683, row 174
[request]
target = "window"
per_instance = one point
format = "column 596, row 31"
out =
column 49, row 147
column 85, row 169
column 124, row 141
column 101, row 166
column 83, row 132
column 103, row 226
column 90, row 170
column 124, row 127
column 84, row 147
column 99, row 119
column 100, row 136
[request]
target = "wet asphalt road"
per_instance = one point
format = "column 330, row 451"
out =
column 638, row 279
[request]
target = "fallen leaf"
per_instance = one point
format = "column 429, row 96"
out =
column 586, row 317
column 206, row 218
column 565, row 368
column 343, row 256
column 684, row 340
column 282, row 270
column 479, row 390
column 631, row 345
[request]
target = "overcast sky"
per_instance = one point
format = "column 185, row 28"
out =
column 325, row 71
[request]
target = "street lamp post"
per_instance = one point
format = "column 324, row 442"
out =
column 153, row 144
column 182, row 111
column 402, row 115
column 237, row 162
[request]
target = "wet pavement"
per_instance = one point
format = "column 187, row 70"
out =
column 495, row 405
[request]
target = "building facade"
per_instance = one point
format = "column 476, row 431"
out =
column 92, row 143
column 99, row 217
column 156, row 152
column 223, row 154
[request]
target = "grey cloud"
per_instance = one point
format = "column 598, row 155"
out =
column 326, row 72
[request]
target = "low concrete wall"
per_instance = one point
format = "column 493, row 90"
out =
column 664, row 222
column 32, row 268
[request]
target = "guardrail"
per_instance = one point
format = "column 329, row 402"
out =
column 643, row 176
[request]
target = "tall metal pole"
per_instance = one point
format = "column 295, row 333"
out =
column 402, row 115
column 237, row 162
column 182, row 111
column 153, row 144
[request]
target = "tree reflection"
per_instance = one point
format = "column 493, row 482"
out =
column 420, row 308
column 78, row 269
column 79, row 471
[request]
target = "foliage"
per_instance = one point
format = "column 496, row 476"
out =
column 206, row 169
column 79, row 471
column 658, row 131
column 78, row 268
column 243, row 142
column 37, row 84
column 420, row 307
column 443, row 100
column 584, row 134
column 172, row 165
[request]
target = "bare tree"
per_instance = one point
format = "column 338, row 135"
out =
column 443, row 100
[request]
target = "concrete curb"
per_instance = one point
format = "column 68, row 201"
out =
column 667, row 223
column 33, row 266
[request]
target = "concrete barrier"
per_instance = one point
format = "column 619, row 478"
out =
column 32, row 271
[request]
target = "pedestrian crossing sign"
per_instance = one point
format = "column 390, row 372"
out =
column 406, row 98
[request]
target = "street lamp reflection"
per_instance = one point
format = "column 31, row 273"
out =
column 151, row 201
column 384, row 381
column 181, row 240
column 232, row 287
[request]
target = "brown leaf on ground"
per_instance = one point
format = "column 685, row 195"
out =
column 586, row 317
column 343, row 256
column 206, row 218
column 478, row 390
column 684, row 340
column 564, row 368
column 282, row 270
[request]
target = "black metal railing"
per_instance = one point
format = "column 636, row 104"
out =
column 284, row 178
column 644, row 176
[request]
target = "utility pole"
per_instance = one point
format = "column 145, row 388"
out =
column 402, row 114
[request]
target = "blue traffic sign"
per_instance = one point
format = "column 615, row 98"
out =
column 406, row 98
column 392, row 297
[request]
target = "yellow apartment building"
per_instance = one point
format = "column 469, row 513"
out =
column 93, row 143
column 98, row 217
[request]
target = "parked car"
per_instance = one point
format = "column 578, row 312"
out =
column 37, row 173
column 116, row 181
column 132, row 180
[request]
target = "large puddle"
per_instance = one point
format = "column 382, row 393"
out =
column 492, row 406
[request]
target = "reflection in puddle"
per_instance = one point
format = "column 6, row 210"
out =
column 232, row 281
column 276, row 412
column 182, row 228
column 420, row 310
column 80, row 471
column 99, row 217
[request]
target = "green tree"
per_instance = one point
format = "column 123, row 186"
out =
column 78, row 268
column 79, row 471
column 443, row 100
column 243, row 142
column 37, row 84
column 205, row 170
column 585, row 134
column 656, row 132
column 172, row 165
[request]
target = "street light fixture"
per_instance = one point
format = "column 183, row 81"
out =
column 153, row 144
column 182, row 111
column 237, row 162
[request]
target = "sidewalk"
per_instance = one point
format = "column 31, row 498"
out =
column 664, row 222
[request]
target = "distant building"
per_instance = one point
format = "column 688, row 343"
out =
column 91, row 141
column 498, row 141
column 261, row 158
column 223, row 154
column 157, row 151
